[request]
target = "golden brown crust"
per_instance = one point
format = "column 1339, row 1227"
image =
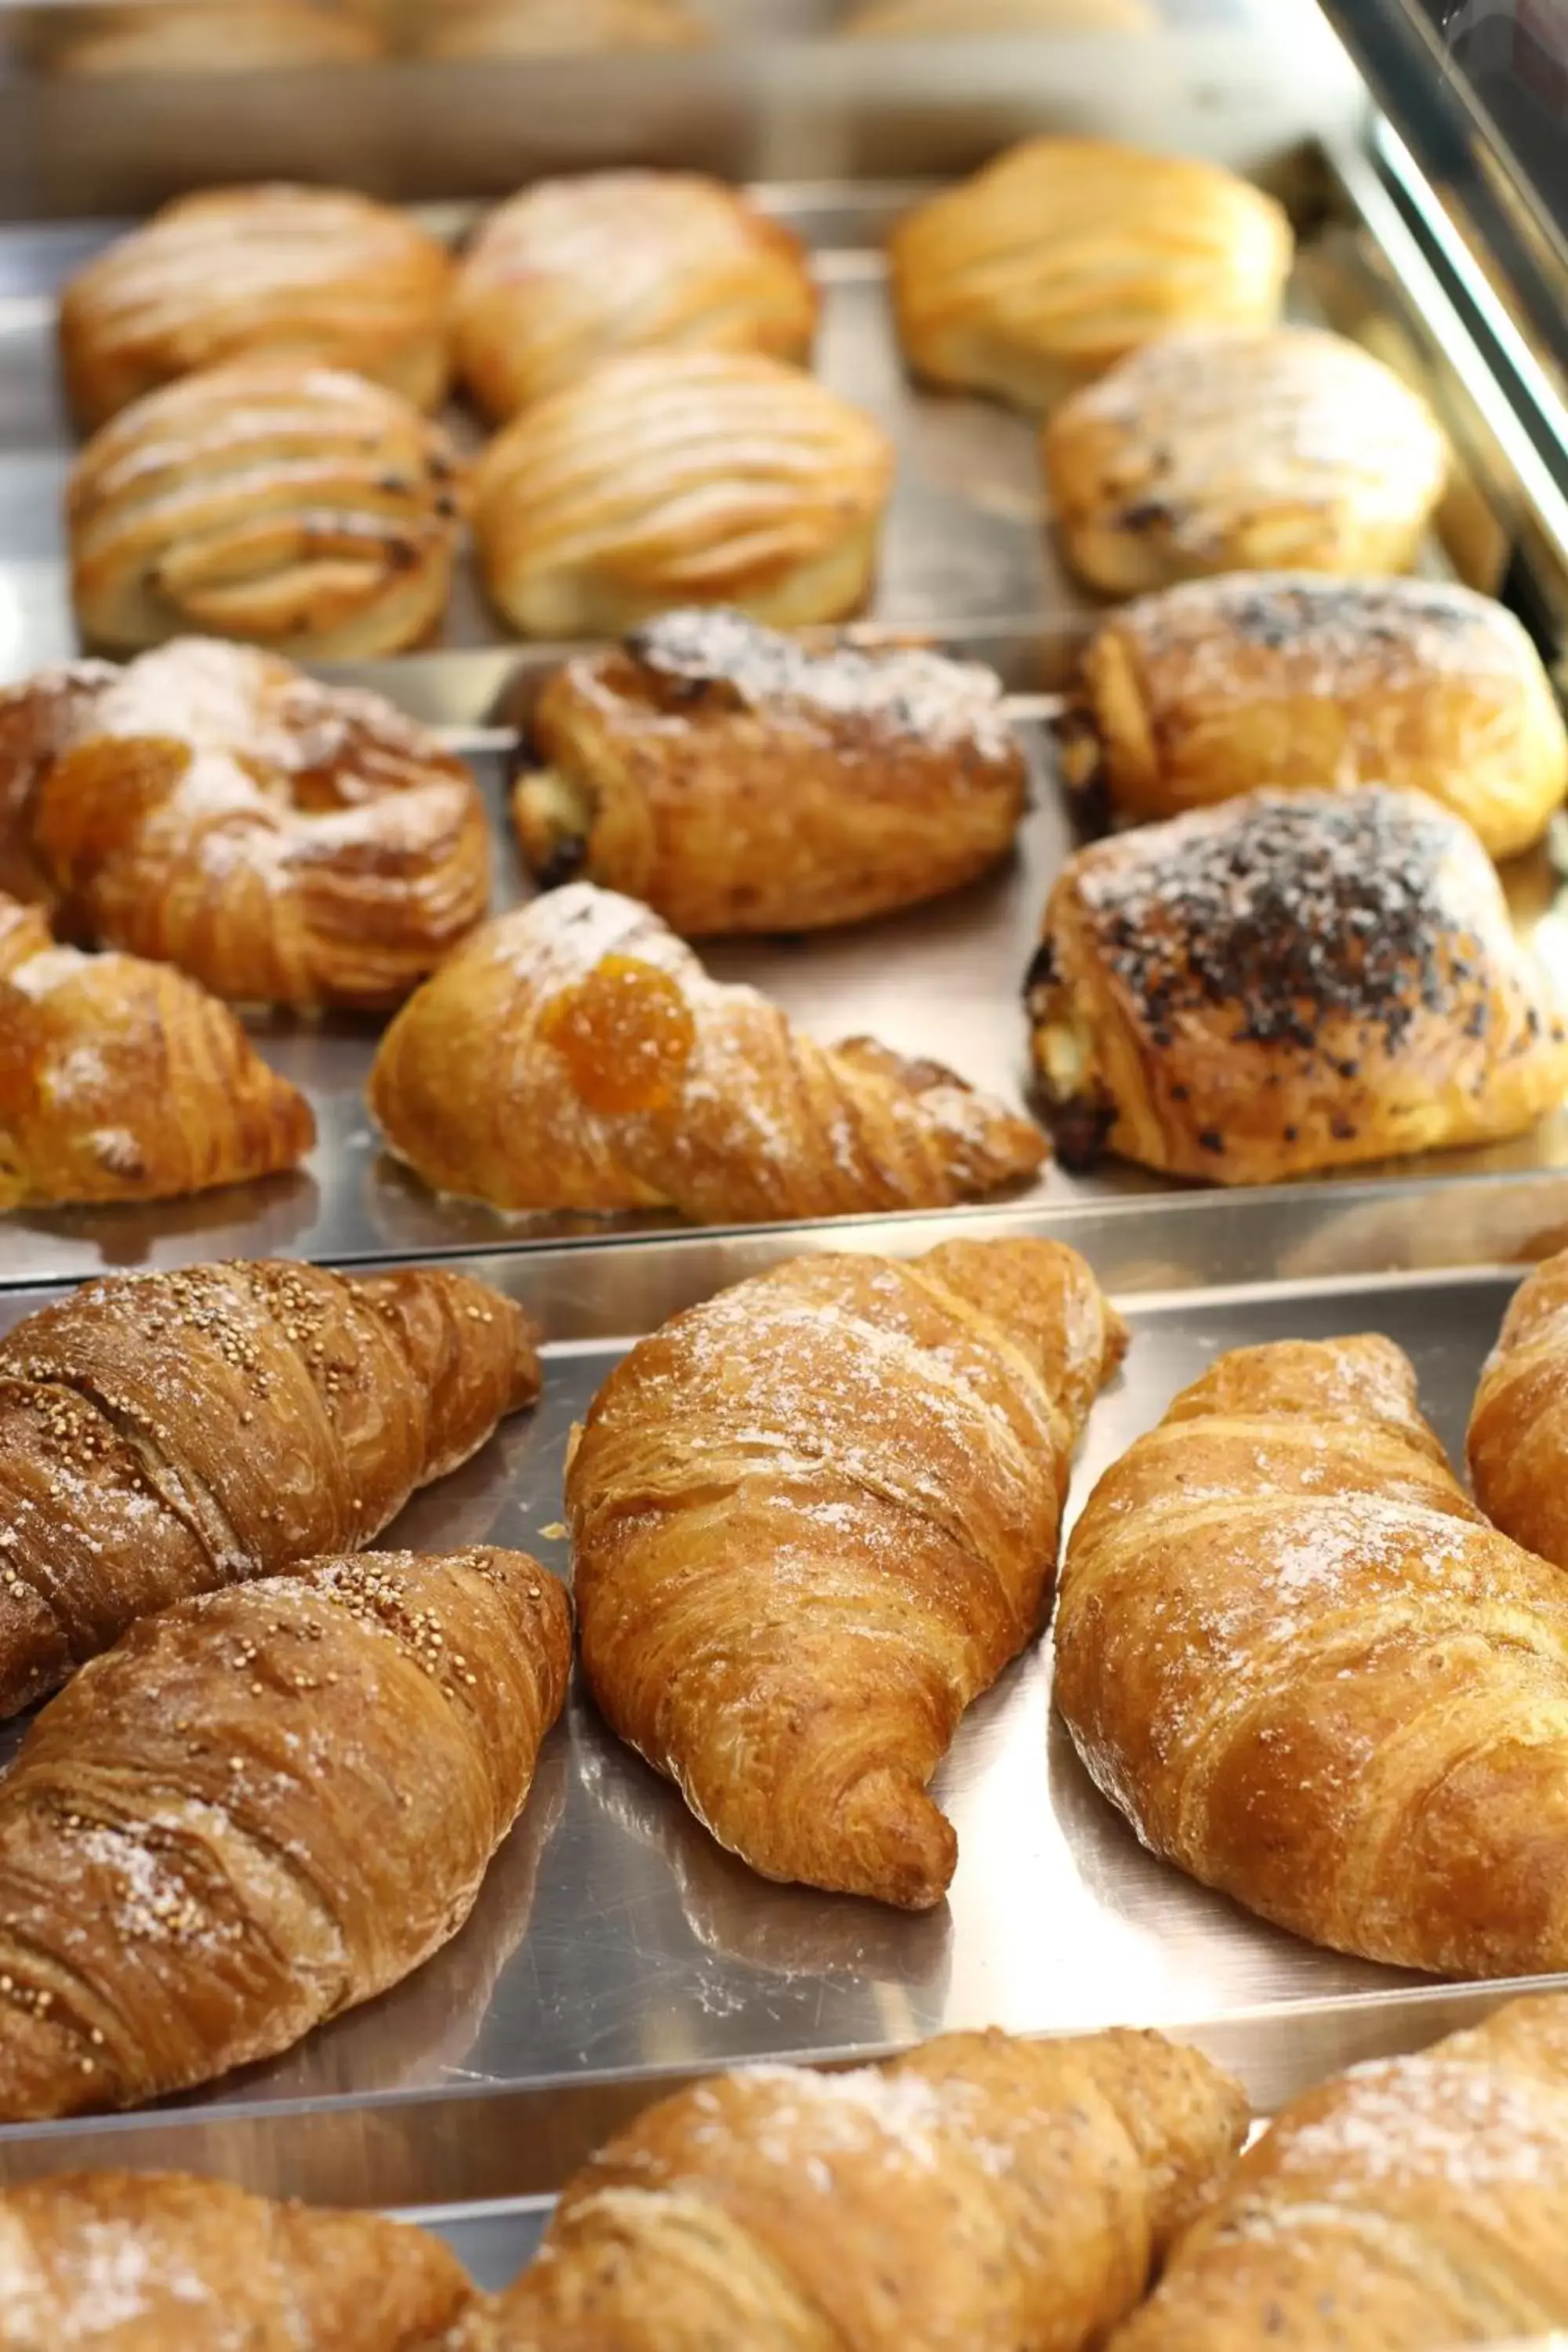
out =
column 213, row 1842
column 37, row 720
column 527, row 29
column 274, row 500
column 813, row 1520
column 1412, row 2202
column 279, row 840
column 1290, row 982
column 303, row 273
column 164, row 1434
column 126, row 2261
column 1518, row 1440
column 573, row 271
column 1064, row 255
column 1201, row 692
column 1309, row 1672
column 735, row 782
column 677, row 477
column 121, row 1080
column 1219, row 450
column 981, row 2190
column 575, row 1054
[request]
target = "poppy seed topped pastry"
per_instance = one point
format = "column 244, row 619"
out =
column 1066, row 254
column 1290, row 981
column 1221, row 450
column 315, row 273
column 572, row 271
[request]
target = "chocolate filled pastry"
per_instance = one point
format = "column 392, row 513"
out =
column 681, row 478
column 736, row 781
column 572, row 271
column 308, row 273
column 540, row 28
column 1066, row 254
column 210, row 806
column 1223, row 450
column 575, row 1054
column 1193, row 694
column 1292, row 981
column 274, row 500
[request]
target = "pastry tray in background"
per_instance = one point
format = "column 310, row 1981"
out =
column 616, row 1948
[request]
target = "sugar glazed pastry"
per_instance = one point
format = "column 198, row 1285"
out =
column 210, row 806
column 1414, row 2201
column 1066, row 254
column 736, row 781
column 980, row 2191
column 274, row 272
column 575, row 1054
column 915, row 20
column 276, row 499
column 1518, row 1440
column 572, row 271
column 1193, row 694
column 529, row 28
column 1290, row 981
column 167, row 1434
column 681, row 478
column 121, row 1080
column 792, row 1632
column 1218, row 450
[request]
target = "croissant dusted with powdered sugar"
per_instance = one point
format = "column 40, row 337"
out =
column 310, row 273
column 121, row 1080
column 575, row 1054
column 774, row 1611
column 983, row 2191
column 736, row 781
column 274, row 498
column 262, row 1807
column 165, row 1433
column 1295, row 1655
column 211, row 807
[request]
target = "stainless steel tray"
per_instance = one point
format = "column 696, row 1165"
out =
column 616, row 1947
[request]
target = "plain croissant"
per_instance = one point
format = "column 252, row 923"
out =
column 162, row 1435
column 983, row 2191
column 1415, row 2203
column 127, row 2262
column 1518, row 1441
column 575, row 1054
column 813, row 1519
column 262, row 1807
column 1301, row 1662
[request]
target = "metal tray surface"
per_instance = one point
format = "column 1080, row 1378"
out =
column 616, row 1946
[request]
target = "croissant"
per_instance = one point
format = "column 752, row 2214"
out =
column 679, row 477
column 816, row 1517
column 575, row 1054
column 279, row 840
column 162, row 1435
column 1518, row 1440
column 1226, row 450
column 119, row 1080
column 311, row 273
column 572, row 271
column 126, row 2261
column 37, row 720
column 1193, row 695
column 213, row 1840
column 1308, row 1671
column 274, row 498
column 1414, row 2202
column 735, row 782
column 1290, row 982
column 981, row 2191
column 1064, row 255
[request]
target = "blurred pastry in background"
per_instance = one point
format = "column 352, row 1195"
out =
column 572, row 271
column 1192, row 695
column 527, row 29
column 274, row 500
column 314, row 273
column 920, row 20
column 204, row 37
column 735, row 781
column 1223, row 450
column 1064, row 255
column 671, row 477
